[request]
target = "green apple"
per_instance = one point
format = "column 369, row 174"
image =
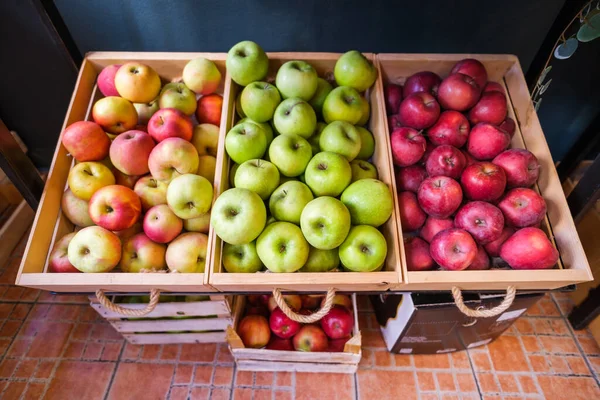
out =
column 342, row 138
column 245, row 142
column 238, row 106
column 321, row 260
column 283, row 179
column 355, row 70
column 290, row 153
column 343, row 104
column 328, row 174
column 367, row 144
column 364, row 250
column 189, row 196
column 265, row 125
column 206, row 139
column 232, row 171
column 260, row 176
column 366, row 112
column 177, row 95
column 295, row 117
column 288, row 201
column 259, row 101
column 238, row 216
column 297, row 79
column 314, row 139
column 146, row 110
column 270, row 220
column 247, row 62
column 362, row 169
column 323, row 89
column 241, row 258
column 369, row 201
column 325, row 222
column 282, row 247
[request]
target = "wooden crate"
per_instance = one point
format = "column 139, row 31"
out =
column 382, row 159
column 345, row 362
column 173, row 322
column 50, row 224
column 573, row 266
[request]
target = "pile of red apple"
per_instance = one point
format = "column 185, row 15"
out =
column 305, row 196
column 463, row 194
column 265, row 325
column 140, row 191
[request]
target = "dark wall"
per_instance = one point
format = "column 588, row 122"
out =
column 37, row 78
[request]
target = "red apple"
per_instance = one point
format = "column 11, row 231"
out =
column 59, row 260
column 106, row 80
column 417, row 254
column 509, row 126
column 408, row 146
column 419, row 110
column 341, row 300
column 493, row 87
column 209, row 109
column 486, row 141
column 293, row 301
column 433, row 226
column 458, row 92
column 439, row 196
column 394, row 122
column 161, row 224
column 258, row 299
column 493, row 247
column 409, row 178
column 424, row 81
column 453, row 249
column 311, row 301
column 529, row 248
column 468, row 157
column 428, row 149
column 338, row 323
column 129, row 152
column 393, row 98
column 412, row 217
column 451, row 128
column 491, row 108
column 310, row 338
column 482, row 220
column 277, row 343
column 522, row 168
column 115, row 207
column 522, row 207
column 481, row 261
column 483, row 181
column 86, row 141
column 281, row 325
column 254, row 331
column 337, row 345
column 170, row 122
column 473, row 68
column 445, row 160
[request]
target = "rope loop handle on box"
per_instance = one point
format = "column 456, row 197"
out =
column 129, row 312
column 305, row 319
column 511, row 291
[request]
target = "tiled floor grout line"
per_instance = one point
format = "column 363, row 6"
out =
column 114, row 373
column 474, row 373
column 356, row 392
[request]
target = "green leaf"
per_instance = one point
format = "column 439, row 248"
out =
column 544, row 74
column 566, row 49
column 536, row 105
column 590, row 30
column 544, row 87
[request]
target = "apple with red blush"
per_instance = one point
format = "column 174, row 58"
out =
column 522, row 168
column 493, row 87
column 254, row 331
column 410, row 178
column 472, row 68
column 486, row 141
column 338, row 323
column 445, row 160
column 453, row 249
column 469, row 158
column 310, row 338
column 393, row 98
column 417, row 254
column 292, row 300
column 106, row 80
column 493, row 247
column 440, row 196
column 424, row 81
column 481, row 261
column 451, row 128
column 408, row 146
column 433, row 226
column 281, row 325
column 529, row 248
column 170, row 122
column 277, row 343
column 419, row 110
column 483, row 181
column 458, row 92
column 482, row 220
column 337, row 345
column 412, row 217
column 522, row 207
column 394, row 122
column 509, row 126
column 490, row 108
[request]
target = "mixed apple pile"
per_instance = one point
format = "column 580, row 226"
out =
column 303, row 197
column 265, row 325
column 463, row 195
column 141, row 189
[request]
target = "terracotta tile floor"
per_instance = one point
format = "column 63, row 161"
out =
column 57, row 347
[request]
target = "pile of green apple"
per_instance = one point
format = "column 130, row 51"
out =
column 141, row 189
column 304, row 196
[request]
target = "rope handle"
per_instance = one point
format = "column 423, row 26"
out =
column 129, row 312
column 511, row 291
column 305, row 319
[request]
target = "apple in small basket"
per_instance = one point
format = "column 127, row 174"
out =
column 254, row 331
column 311, row 338
column 294, row 301
column 338, row 323
column 281, row 325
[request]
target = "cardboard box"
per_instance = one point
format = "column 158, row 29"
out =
column 418, row 323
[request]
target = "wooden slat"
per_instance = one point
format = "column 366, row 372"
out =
column 167, row 338
column 251, row 365
column 192, row 324
column 171, row 309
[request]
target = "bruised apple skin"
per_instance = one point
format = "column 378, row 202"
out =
column 529, row 248
column 417, row 254
column 453, row 249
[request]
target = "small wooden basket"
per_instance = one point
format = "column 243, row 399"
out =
column 203, row 321
column 246, row 359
